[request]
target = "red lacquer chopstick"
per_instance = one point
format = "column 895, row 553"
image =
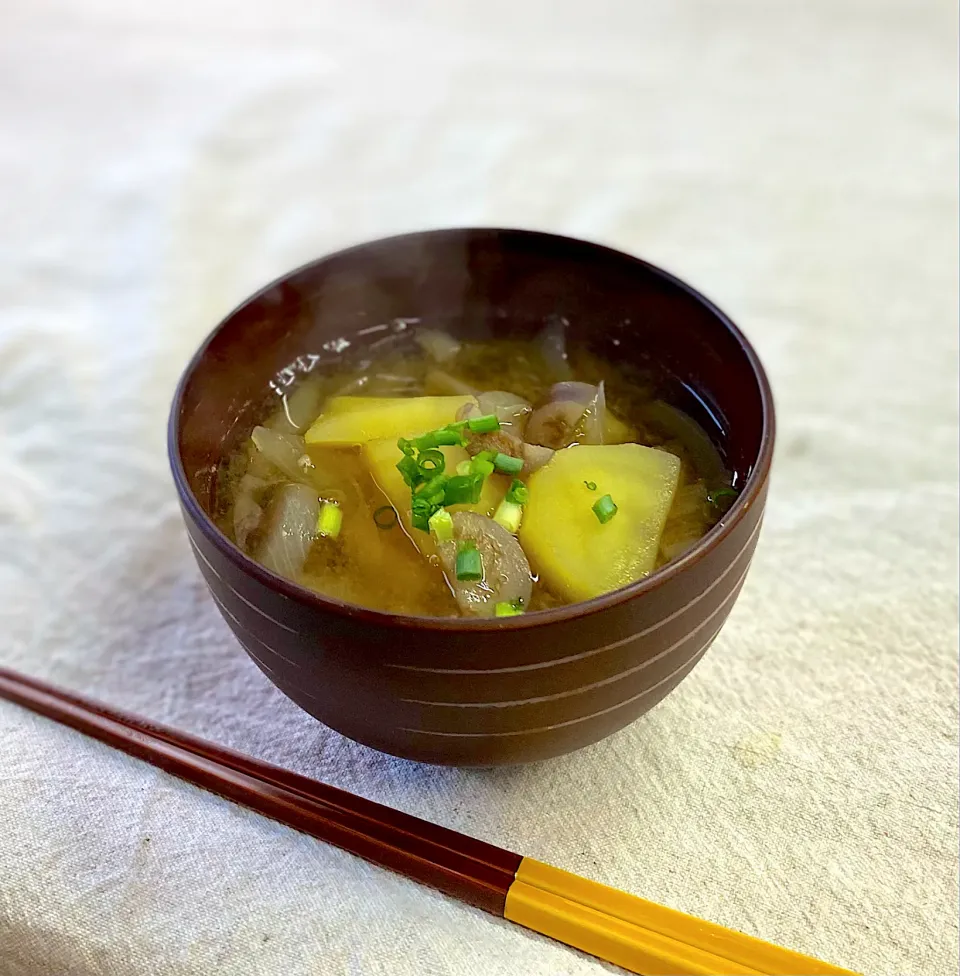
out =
column 639, row 935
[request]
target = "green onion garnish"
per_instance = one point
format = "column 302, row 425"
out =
column 437, row 438
column 469, row 563
column 508, row 464
column 425, row 441
column 385, row 517
column 433, row 485
column 408, row 467
column 604, row 509
column 481, row 467
column 509, row 608
column 329, row 520
column 463, row 490
column 486, row 424
column 518, row 493
column 441, row 525
column 509, row 514
column 431, row 463
column 591, row 485
column 433, row 492
column 422, row 467
column 427, row 500
column 715, row 497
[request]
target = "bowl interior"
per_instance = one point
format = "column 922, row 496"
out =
column 475, row 283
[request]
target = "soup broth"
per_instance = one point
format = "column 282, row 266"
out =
column 526, row 480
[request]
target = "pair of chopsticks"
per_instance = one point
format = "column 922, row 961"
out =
column 638, row 935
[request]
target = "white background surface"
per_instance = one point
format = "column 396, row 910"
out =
column 796, row 161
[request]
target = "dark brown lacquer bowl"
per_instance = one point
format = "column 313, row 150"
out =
column 475, row 692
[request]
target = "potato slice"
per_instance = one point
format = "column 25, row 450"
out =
column 577, row 556
column 348, row 421
column 381, row 457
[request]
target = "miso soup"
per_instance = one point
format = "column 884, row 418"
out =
column 474, row 479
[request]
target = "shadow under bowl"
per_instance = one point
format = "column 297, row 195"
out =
column 457, row 691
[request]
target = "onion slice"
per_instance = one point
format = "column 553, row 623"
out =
column 291, row 529
column 594, row 418
column 553, row 346
column 441, row 347
column 282, row 450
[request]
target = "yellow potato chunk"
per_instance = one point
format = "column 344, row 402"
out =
column 577, row 556
column 381, row 457
column 348, row 421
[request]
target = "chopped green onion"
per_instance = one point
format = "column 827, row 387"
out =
column 518, row 492
column 410, row 470
column 329, row 520
column 486, row 424
column 420, row 517
column 425, row 441
column 406, row 446
column 469, row 563
column 481, row 467
column 433, row 491
column 437, row 438
column 427, row 500
column 591, row 485
column 508, row 464
column 434, row 484
column 485, row 456
column 441, row 525
column 385, row 517
column 604, row 509
column 509, row 514
column 463, row 490
column 509, row 608
column 464, row 468
column 449, row 436
column 714, row 497
column 431, row 462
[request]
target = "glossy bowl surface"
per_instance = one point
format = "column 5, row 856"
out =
column 471, row 692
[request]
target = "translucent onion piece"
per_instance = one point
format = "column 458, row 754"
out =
column 687, row 521
column 282, row 450
column 573, row 390
column 594, row 418
column 441, row 347
column 511, row 410
column 358, row 385
column 247, row 513
column 553, row 346
column 678, row 545
column 440, row 383
column 380, row 385
column 300, row 408
column 706, row 458
column 291, row 529
column 506, row 572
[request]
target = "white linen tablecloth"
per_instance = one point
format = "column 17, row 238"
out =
column 796, row 161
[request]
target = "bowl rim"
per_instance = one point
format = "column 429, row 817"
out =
column 747, row 497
